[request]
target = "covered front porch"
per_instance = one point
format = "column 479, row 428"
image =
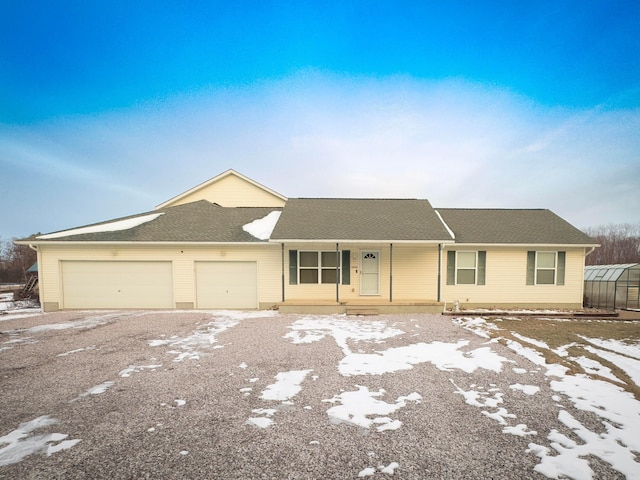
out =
column 362, row 306
column 363, row 278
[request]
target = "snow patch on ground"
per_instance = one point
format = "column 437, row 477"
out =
column 287, row 385
column 85, row 323
column 371, row 471
column 25, row 313
column 630, row 366
column 593, row 367
column 445, row 356
column 206, row 336
column 97, row 390
column 630, row 350
column 77, row 350
column 9, row 344
column 136, row 369
column 21, row 442
column 520, row 430
column 526, row 389
column 190, row 347
column 17, row 308
column 532, row 341
column 313, row 329
column 356, row 407
column 476, row 325
column 260, row 422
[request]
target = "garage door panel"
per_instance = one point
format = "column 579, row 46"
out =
column 226, row 284
column 126, row 284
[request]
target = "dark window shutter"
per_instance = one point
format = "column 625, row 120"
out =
column 482, row 266
column 293, row 267
column 346, row 267
column 531, row 267
column 560, row 273
column 451, row 267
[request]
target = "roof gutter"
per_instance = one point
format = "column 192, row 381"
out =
column 355, row 241
column 522, row 245
column 145, row 243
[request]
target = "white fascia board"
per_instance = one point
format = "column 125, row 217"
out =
column 215, row 179
column 523, row 245
column 453, row 235
column 329, row 240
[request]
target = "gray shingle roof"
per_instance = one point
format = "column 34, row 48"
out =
column 359, row 219
column 515, row 226
column 199, row 221
column 346, row 219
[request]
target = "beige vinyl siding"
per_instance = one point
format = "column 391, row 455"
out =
column 415, row 273
column 182, row 258
column 506, row 280
column 232, row 191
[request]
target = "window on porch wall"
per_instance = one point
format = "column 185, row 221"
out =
column 319, row 267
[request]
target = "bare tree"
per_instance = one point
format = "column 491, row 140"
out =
column 620, row 243
column 15, row 260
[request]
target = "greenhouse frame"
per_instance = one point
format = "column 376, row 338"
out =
column 612, row 286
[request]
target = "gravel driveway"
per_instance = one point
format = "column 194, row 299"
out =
column 169, row 395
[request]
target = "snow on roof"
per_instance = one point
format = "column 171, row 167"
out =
column 104, row 227
column 263, row 227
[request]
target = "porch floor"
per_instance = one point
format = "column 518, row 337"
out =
column 361, row 306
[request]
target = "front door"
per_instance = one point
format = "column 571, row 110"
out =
column 370, row 273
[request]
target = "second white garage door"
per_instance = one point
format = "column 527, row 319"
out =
column 227, row 284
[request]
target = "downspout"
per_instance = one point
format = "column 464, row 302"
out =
column 282, row 250
column 391, row 272
column 337, row 273
column 439, row 272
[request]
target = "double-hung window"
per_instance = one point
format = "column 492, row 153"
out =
column 316, row 267
column 545, row 268
column 466, row 268
column 466, row 264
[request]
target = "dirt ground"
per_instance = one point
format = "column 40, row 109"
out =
column 628, row 315
column 168, row 395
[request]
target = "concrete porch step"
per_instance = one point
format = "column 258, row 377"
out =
column 361, row 311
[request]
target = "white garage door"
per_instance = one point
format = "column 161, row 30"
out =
column 117, row 284
column 227, row 284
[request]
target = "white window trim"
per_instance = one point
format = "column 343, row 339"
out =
column 319, row 268
column 555, row 268
column 475, row 269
